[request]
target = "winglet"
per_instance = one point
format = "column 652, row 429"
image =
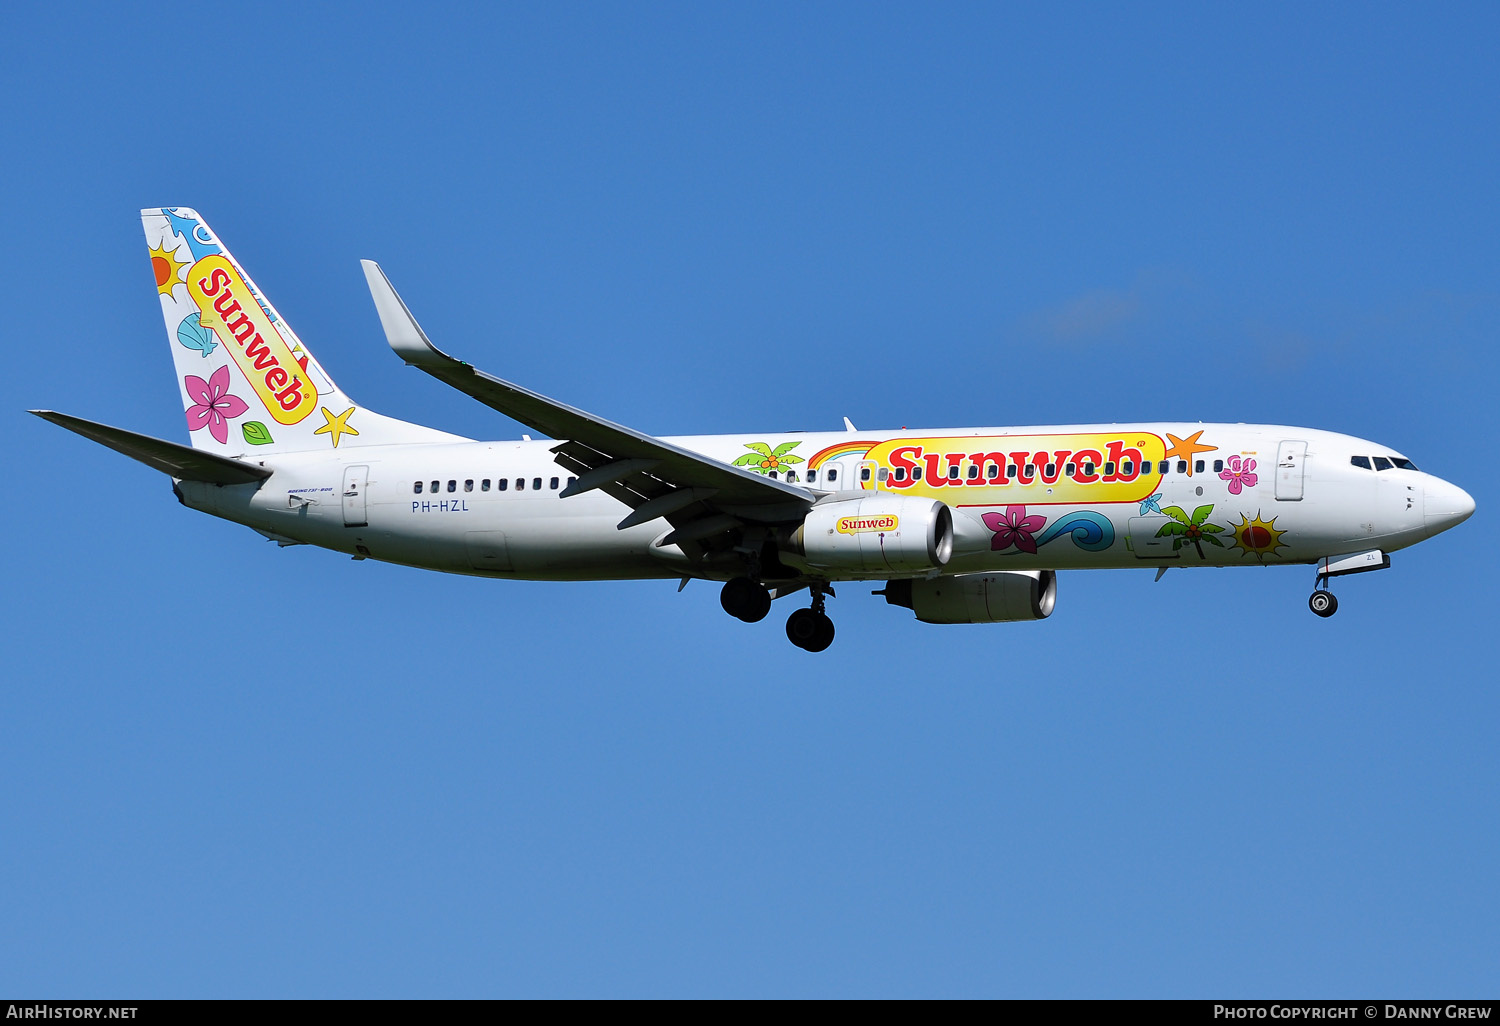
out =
column 401, row 329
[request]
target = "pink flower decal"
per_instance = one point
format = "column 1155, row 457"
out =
column 1239, row 474
column 212, row 405
column 1013, row 527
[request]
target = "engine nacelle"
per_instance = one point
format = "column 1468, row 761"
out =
column 876, row 533
column 998, row 596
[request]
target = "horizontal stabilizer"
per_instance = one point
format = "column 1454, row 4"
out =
column 168, row 457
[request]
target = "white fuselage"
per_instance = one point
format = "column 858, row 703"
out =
column 1090, row 496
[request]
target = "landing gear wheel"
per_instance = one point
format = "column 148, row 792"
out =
column 809, row 630
column 824, row 637
column 745, row 599
column 802, row 627
column 1323, row 603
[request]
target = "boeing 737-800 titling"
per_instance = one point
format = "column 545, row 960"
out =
column 961, row 525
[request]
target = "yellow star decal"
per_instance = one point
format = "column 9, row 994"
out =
column 165, row 266
column 1187, row 448
column 336, row 427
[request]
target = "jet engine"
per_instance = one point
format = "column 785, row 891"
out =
column 997, row 596
column 876, row 533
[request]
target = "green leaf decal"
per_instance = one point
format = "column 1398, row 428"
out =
column 786, row 447
column 1176, row 513
column 760, row 447
column 790, row 459
column 255, row 433
column 749, row 459
column 1201, row 513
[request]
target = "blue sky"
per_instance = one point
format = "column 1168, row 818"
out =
column 705, row 218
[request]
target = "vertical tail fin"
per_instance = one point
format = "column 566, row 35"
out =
column 249, row 386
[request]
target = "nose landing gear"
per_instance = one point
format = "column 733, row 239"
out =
column 1323, row 603
column 811, row 629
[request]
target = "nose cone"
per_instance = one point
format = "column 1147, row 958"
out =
column 1445, row 505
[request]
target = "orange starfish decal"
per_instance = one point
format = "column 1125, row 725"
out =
column 1186, row 448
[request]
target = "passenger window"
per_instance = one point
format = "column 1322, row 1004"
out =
column 1198, row 467
column 1218, row 466
column 1051, row 470
column 572, row 481
column 952, row 472
column 1166, row 465
column 899, row 475
column 1015, row 471
column 502, row 483
column 864, row 473
column 1109, row 470
column 791, row 475
column 916, row 473
column 812, row 477
column 1402, row 463
column 1182, row 466
column 469, row 485
column 484, row 485
column 772, row 475
column 434, row 488
column 416, row 489
column 1127, row 467
column 833, row 473
column 973, row 471
column 882, row 473
column 453, row 486
column 1381, row 463
column 1360, row 461
column 520, row 484
column 1088, row 470
column 1072, row 469
column 536, row 484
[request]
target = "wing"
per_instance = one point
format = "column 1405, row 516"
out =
column 700, row 497
column 170, row 458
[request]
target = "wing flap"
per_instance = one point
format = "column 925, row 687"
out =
column 179, row 461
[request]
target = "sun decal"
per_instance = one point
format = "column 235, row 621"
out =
column 166, row 267
column 1257, row 537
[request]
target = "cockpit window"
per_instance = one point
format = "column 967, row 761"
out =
column 1381, row 463
column 1402, row 463
column 1360, row 461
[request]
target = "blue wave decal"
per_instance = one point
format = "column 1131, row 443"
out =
column 188, row 229
column 1091, row 531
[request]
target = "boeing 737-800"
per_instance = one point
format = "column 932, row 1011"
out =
column 961, row 525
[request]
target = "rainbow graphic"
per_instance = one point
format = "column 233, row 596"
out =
column 833, row 452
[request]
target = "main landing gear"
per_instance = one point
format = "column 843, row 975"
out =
column 746, row 599
column 808, row 629
column 811, row 629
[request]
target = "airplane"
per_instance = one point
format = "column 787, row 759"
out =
column 959, row 525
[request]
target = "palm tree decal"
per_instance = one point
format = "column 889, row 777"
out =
column 1195, row 529
column 763, row 459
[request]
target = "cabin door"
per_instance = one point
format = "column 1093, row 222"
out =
column 1290, row 459
column 355, row 481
